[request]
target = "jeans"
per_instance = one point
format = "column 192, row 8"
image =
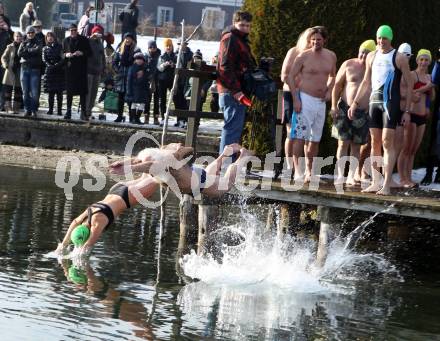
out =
column 30, row 83
column 234, row 115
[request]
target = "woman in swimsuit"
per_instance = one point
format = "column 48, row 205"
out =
column 413, row 133
column 189, row 179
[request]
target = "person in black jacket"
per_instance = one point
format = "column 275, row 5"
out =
column 129, row 19
column 138, row 87
column 5, row 40
column 123, row 59
column 180, row 100
column 151, row 59
column 76, row 49
column 30, row 52
column 166, row 66
column 53, row 79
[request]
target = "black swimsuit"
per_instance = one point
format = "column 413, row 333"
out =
column 101, row 208
column 120, row 190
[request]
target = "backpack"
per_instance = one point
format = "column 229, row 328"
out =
column 258, row 83
column 111, row 101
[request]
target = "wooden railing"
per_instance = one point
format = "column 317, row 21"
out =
column 194, row 116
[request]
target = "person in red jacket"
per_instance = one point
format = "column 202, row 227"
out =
column 235, row 58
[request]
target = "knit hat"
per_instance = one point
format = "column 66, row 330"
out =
column 97, row 29
column 152, row 44
column 109, row 38
column 198, row 54
column 139, row 55
column 167, row 42
column 424, row 52
column 129, row 34
column 30, row 29
column 368, row 45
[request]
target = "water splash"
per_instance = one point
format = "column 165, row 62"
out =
column 270, row 282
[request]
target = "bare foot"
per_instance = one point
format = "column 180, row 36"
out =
column 339, row 180
column 352, row 182
column 384, row 191
column 373, row 188
column 307, row 178
column 410, row 184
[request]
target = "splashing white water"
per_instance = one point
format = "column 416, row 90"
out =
column 269, row 283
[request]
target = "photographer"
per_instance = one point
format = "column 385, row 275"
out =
column 235, row 59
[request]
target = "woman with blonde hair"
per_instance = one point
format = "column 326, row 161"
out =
column 28, row 16
column 302, row 44
column 123, row 59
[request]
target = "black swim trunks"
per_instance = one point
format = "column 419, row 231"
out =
column 355, row 130
column 418, row 120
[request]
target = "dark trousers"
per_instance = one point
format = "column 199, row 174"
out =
column 59, row 96
column 121, row 103
column 155, row 98
column 180, row 101
column 18, row 96
column 82, row 102
column 164, row 86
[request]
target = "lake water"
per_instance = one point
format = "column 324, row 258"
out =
column 265, row 288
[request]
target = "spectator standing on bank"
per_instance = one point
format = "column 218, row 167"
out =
column 5, row 40
column 151, row 59
column 28, row 16
column 109, row 52
column 83, row 25
column 76, row 49
column 95, row 68
column 129, row 19
column 30, row 52
column 138, row 88
column 123, row 59
column 11, row 78
column 235, row 59
column 39, row 35
column 166, row 65
column 180, row 100
column 54, row 81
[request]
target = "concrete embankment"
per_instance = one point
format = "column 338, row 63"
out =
column 94, row 136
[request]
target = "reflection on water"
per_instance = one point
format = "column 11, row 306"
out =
column 265, row 288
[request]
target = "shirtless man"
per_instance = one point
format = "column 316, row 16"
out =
column 316, row 68
column 385, row 68
column 350, row 132
column 302, row 44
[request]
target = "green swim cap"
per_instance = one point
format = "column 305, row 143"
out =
column 80, row 235
column 77, row 275
column 385, row 32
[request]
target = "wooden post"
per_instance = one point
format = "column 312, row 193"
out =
column 194, row 104
column 188, row 224
column 327, row 231
column 208, row 223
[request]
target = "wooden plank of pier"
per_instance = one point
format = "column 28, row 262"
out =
column 407, row 203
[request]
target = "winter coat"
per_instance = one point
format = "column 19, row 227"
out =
column 11, row 63
column 96, row 61
column 129, row 19
column 40, row 38
column 6, row 34
column 25, row 20
column 234, row 60
column 53, row 79
column 76, row 67
column 30, row 52
column 138, row 87
column 121, row 64
column 151, row 62
column 166, row 72
column 185, row 58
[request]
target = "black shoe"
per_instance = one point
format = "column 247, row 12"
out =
column 34, row 114
column 120, row 118
column 437, row 176
column 177, row 124
column 68, row 115
column 27, row 114
column 50, row 112
column 60, row 113
column 427, row 180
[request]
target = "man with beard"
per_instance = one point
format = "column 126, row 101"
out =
column 316, row 68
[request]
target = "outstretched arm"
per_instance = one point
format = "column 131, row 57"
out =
column 66, row 240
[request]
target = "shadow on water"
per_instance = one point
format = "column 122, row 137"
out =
column 265, row 288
